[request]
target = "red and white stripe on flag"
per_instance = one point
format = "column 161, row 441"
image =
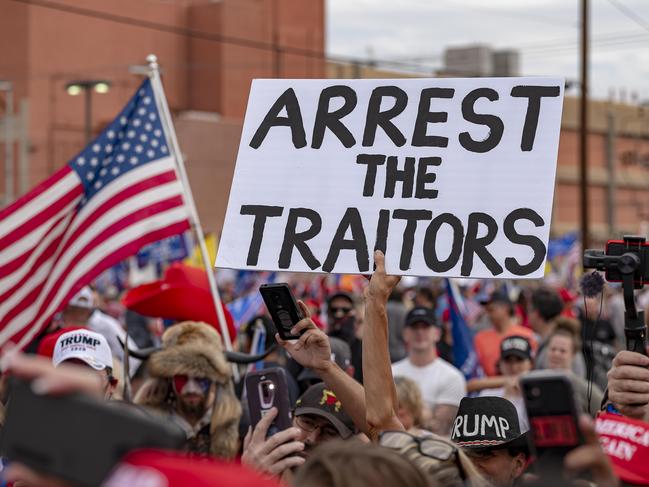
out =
column 120, row 193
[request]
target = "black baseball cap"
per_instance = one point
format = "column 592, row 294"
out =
column 421, row 314
column 320, row 401
column 515, row 346
column 340, row 294
column 497, row 296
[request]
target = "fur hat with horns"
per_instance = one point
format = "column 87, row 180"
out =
column 195, row 349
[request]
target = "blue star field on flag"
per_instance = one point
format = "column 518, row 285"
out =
column 133, row 139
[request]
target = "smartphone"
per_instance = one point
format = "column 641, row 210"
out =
column 265, row 389
column 282, row 308
column 552, row 412
column 77, row 438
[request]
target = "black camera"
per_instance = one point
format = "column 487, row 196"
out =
column 625, row 261
column 628, row 257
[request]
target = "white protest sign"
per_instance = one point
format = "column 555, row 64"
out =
column 450, row 177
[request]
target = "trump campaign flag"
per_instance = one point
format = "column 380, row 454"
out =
column 118, row 194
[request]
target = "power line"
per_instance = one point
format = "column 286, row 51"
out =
column 209, row 36
column 613, row 39
column 601, row 45
column 569, row 42
column 534, row 48
column 545, row 19
column 629, row 13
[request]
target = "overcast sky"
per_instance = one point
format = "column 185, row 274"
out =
column 546, row 32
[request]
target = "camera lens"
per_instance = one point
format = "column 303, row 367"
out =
column 536, row 392
column 267, row 393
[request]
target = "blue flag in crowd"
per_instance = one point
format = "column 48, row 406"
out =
column 164, row 251
column 249, row 305
column 562, row 245
column 464, row 354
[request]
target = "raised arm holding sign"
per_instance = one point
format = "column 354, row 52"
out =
column 450, row 177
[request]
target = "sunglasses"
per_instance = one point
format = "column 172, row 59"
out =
column 180, row 381
column 340, row 310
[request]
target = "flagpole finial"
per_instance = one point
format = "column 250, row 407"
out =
column 152, row 60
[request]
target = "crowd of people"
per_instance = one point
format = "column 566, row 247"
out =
column 376, row 395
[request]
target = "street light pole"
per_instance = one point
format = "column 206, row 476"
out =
column 8, row 88
column 583, row 126
column 75, row 88
column 88, row 111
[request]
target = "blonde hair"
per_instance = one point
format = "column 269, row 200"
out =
column 410, row 398
column 349, row 463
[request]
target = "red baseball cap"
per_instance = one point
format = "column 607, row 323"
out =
column 151, row 468
column 48, row 342
column 626, row 442
column 183, row 293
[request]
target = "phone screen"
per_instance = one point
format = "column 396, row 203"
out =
column 282, row 308
column 553, row 431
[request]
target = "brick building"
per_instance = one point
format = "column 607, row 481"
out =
column 209, row 51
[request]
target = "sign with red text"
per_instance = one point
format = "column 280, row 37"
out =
column 449, row 177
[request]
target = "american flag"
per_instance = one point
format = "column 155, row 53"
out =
column 120, row 193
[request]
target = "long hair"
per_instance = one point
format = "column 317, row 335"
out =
column 409, row 397
column 349, row 463
column 195, row 349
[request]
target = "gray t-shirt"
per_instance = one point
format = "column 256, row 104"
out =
column 396, row 311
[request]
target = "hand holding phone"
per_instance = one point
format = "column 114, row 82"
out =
column 273, row 455
column 282, row 308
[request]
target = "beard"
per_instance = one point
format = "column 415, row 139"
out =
column 192, row 405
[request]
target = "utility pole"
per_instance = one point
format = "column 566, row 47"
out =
column 583, row 127
column 610, row 162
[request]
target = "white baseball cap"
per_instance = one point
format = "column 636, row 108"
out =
column 88, row 346
column 83, row 299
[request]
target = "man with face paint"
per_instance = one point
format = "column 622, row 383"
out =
column 190, row 385
column 193, row 407
column 342, row 323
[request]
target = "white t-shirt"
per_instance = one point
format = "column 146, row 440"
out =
column 439, row 381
